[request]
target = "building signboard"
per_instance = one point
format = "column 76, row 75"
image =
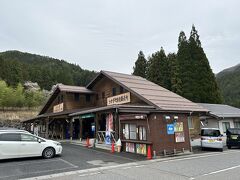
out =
column 179, row 137
column 58, row 108
column 178, row 127
column 119, row 99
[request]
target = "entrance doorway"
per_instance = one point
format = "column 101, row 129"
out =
column 76, row 129
column 88, row 128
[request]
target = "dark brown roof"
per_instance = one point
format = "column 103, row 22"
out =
column 152, row 93
column 78, row 89
column 64, row 88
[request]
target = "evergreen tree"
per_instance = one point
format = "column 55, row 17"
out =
column 140, row 68
column 174, row 73
column 185, row 67
column 158, row 69
column 206, row 89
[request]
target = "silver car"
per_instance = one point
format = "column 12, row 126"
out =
column 211, row 138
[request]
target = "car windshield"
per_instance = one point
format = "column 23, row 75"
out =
column 210, row 132
column 233, row 131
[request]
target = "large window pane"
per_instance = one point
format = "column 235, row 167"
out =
column 26, row 137
column 237, row 124
column 10, row 137
column 126, row 131
column 225, row 125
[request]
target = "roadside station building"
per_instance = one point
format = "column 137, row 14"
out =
column 118, row 106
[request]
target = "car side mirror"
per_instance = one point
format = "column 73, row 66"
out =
column 39, row 141
column 221, row 135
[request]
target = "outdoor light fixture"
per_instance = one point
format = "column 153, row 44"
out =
column 175, row 117
column 167, row 117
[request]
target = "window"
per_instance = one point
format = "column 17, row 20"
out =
column 121, row 90
column 10, row 137
column 190, row 123
column 225, row 125
column 133, row 131
column 60, row 99
column 27, row 137
column 114, row 91
column 88, row 97
column 210, row 132
column 237, row 124
column 103, row 95
column 130, row 131
column 76, row 96
column 142, row 135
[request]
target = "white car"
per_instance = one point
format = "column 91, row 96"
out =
column 211, row 138
column 20, row 143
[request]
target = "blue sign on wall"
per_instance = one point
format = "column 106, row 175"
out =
column 170, row 128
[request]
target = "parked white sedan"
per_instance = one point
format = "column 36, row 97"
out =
column 19, row 143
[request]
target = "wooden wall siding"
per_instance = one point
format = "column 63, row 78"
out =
column 70, row 103
column 55, row 102
column 161, row 140
column 106, row 85
column 194, row 133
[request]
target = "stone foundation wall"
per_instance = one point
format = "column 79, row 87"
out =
column 12, row 117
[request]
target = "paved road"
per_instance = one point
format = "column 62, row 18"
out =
column 74, row 157
column 209, row 166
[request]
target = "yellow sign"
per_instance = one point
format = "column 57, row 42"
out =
column 119, row 99
column 58, row 108
column 178, row 127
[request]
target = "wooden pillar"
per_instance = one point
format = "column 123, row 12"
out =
column 96, row 126
column 47, row 127
column 81, row 129
column 71, row 129
column 116, row 125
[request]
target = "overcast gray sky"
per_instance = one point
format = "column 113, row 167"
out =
column 108, row 34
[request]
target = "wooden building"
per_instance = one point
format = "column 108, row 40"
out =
column 119, row 106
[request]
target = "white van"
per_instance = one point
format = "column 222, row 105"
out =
column 211, row 138
column 20, row 143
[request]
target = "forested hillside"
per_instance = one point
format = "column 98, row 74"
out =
column 229, row 83
column 18, row 67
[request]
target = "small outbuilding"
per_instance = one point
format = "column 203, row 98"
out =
column 220, row 116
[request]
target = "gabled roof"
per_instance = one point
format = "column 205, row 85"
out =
column 150, row 92
column 64, row 88
column 77, row 89
column 221, row 110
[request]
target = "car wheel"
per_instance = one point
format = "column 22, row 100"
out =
column 48, row 153
column 221, row 150
column 229, row 147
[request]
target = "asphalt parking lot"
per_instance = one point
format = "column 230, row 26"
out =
column 74, row 157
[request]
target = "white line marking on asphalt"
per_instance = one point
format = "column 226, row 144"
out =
column 215, row 172
column 139, row 166
column 29, row 163
column 127, row 167
column 90, row 174
column 68, row 163
column 197, row 157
